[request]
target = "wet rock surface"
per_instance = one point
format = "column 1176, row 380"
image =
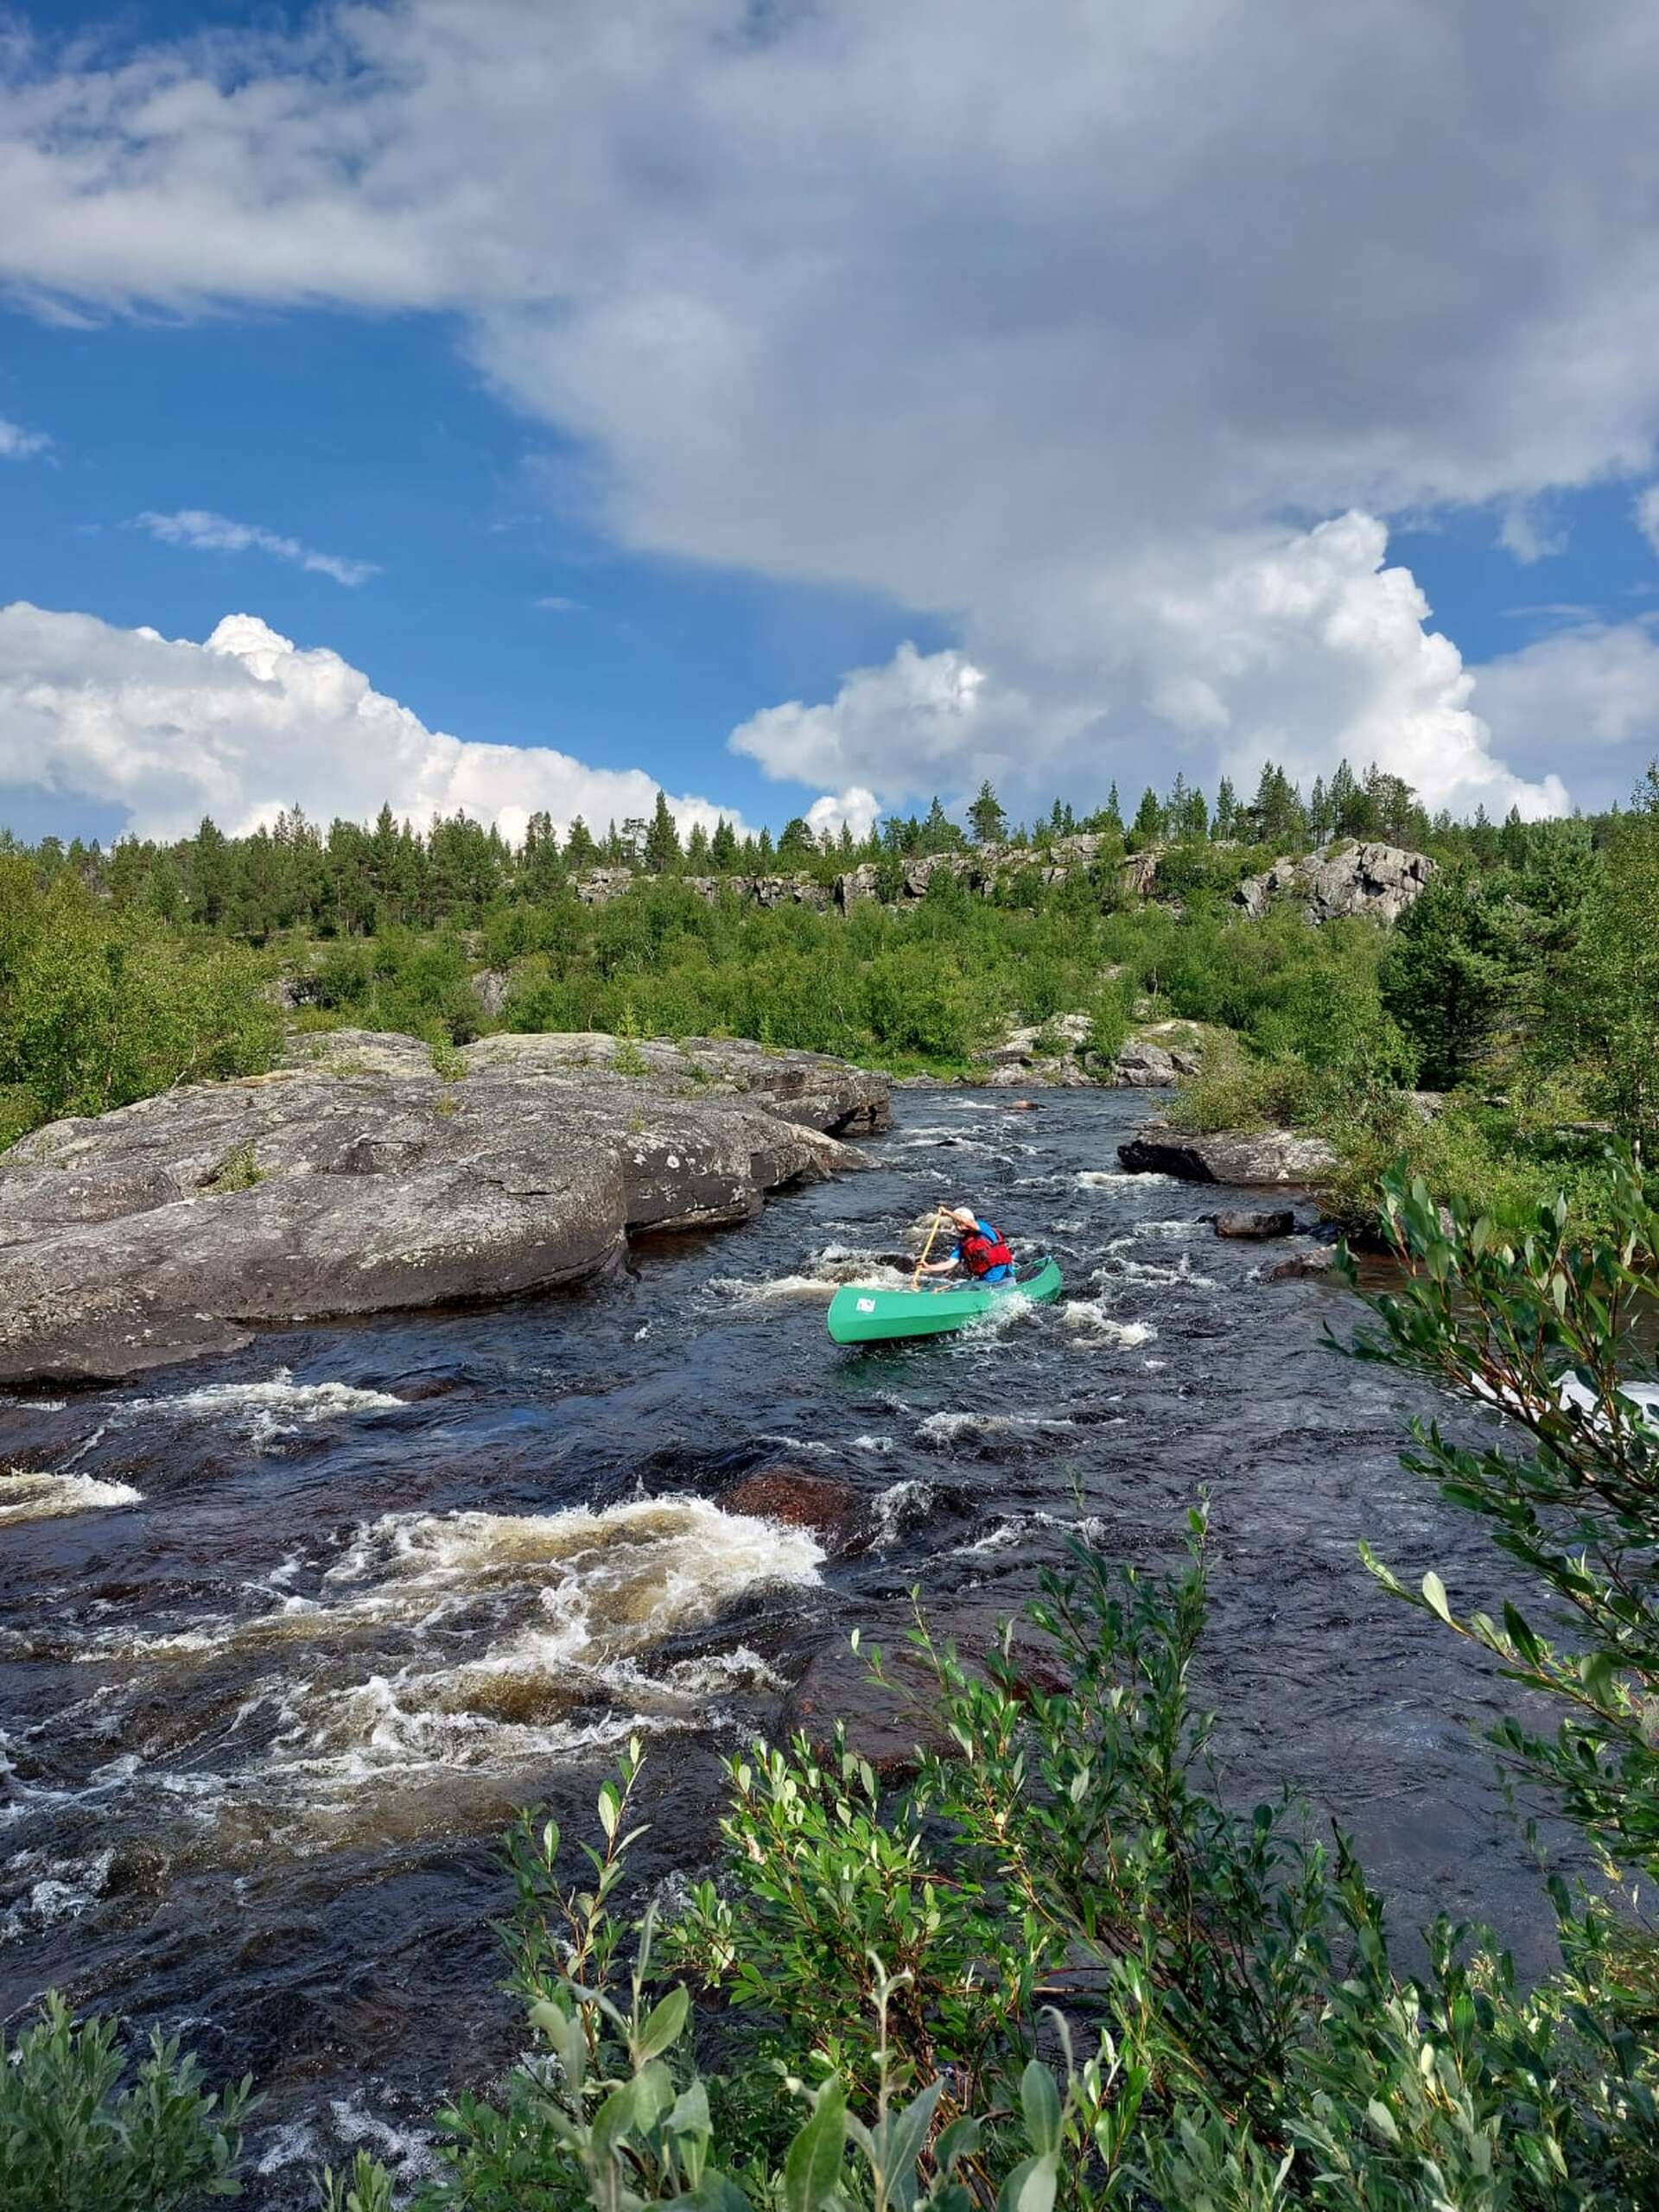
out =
column 1251, row 1159
column 1302, row 1267
column 357, row 1181
column 1255, row 1221
column 833, row 1509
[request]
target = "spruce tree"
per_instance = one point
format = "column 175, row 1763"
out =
column 662, row 840
column 987, row 817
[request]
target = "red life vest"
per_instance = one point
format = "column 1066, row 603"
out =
column 979, row 1253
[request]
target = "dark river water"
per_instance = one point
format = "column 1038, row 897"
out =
column 285, row 1638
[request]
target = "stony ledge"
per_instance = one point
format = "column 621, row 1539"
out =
column 356, row 1180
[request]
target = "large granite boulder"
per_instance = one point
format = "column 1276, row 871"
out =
column 1140, row 1065
column 1377, row 883
column 357, row 1181
column 1269, row 1156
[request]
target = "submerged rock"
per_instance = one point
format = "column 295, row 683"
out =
column 359, row 1181
column 1300, row 1266
column 834, row 1511
column 1229, row 1156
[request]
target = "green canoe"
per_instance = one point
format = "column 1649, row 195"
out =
column 872, row 1317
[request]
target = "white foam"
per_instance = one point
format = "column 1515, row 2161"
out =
column 1111, row 1179
column 1182, row 1275
column 901, row 1507
column 1003, row 1534
column 35, row 1405
column 1088, row 1316
column 489, row 1643
column 833, row 1276
column 268, row 1410
column 944, row 1432
column 61, row 1893
column 882, row 1444
column 38, row 1497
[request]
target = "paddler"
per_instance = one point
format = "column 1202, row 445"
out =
column 979, row 1250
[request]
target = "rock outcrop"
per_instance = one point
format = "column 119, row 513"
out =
column 1255, row 1220
column 1377, row 883
column 357, row 1181
column 1229, row 1156
column 980, row 868
column 1056, row 1053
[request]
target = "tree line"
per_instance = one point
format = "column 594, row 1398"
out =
column 354, row 879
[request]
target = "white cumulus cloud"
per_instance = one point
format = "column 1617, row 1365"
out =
column 1588, row 692
column 1305, row 647
column 249, row 722
column 18, row 444
column 1647, row 515
column 855, row 809
column 206, row 532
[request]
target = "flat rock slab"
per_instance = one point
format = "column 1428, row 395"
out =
column 356, row 1180
column 1229, row 1156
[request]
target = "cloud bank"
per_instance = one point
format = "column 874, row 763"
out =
column 1110, row 338
column 249, row 723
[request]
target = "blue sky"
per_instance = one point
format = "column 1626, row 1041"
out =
column 371, row 439
column 821, row 409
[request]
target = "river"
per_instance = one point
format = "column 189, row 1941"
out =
column 284, row 1638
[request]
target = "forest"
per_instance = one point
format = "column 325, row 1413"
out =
column 1519, row 989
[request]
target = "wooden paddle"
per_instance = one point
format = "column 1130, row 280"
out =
column 916, row 1280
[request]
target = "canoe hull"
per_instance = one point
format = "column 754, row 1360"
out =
column 874, row 1316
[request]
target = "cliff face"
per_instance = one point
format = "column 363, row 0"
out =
column 357, row 1181
column 1376, row 882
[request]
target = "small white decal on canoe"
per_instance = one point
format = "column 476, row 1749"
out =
column 867, row 1306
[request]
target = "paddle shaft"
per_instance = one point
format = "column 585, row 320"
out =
column 926, row 1249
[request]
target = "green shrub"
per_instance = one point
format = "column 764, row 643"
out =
column 73, row 2140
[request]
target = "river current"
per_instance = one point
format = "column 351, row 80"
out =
column 285, row 1638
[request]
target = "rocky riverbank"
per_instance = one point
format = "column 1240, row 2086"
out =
column 358, row 1180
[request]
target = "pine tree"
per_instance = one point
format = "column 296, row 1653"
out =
column 1113, row 813
column 722, row 847
column 579, row 850
column 1224, row 825
column 697, row 856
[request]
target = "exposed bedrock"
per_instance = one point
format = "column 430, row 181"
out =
column 1256, row 1158
column 356, row 1180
